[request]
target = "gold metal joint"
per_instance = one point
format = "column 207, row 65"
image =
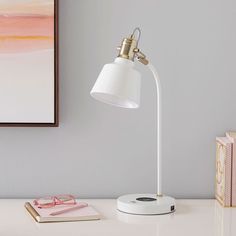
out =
column 159, row 195
column 141, row 58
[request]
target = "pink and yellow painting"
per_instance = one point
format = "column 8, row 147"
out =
column 27, row 78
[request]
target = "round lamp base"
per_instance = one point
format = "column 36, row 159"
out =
column 146, row 204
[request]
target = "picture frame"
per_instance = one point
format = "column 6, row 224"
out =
column 43, row 110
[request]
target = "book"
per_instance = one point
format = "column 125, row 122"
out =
column 223, row 186
column 232, row 137
column 42, row 215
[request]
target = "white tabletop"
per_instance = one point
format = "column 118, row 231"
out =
column 192, row 218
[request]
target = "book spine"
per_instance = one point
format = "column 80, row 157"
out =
column 234, row 174
column 228, row 175
column 223, row 172
column 32, row 211
column 233, row 190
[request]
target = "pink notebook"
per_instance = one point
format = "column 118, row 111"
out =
column 43, row 215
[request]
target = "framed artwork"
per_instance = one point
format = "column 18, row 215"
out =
column 28, row 63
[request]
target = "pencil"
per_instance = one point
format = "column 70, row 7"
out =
column 79, row 206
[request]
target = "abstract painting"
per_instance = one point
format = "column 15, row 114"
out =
column 28, row 63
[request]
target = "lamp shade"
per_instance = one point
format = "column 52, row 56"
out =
column 118, row 84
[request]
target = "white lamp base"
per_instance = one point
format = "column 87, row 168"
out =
column 146, row 204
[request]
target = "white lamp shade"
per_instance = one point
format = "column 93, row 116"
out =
column 118, row 84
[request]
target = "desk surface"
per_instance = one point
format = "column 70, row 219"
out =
column 192, row 217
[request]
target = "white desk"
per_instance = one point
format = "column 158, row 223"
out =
column 192, row 218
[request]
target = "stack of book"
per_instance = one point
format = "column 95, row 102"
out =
column 225, row 191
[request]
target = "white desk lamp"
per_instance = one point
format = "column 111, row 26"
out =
column 119, row 84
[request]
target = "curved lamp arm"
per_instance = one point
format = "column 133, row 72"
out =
column 141, row 57
column 159, row 133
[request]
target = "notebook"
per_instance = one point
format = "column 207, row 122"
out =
column 43, row 215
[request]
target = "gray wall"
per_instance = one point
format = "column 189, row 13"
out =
column 103, row 151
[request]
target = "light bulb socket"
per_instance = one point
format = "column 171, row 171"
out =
column 127, row 48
